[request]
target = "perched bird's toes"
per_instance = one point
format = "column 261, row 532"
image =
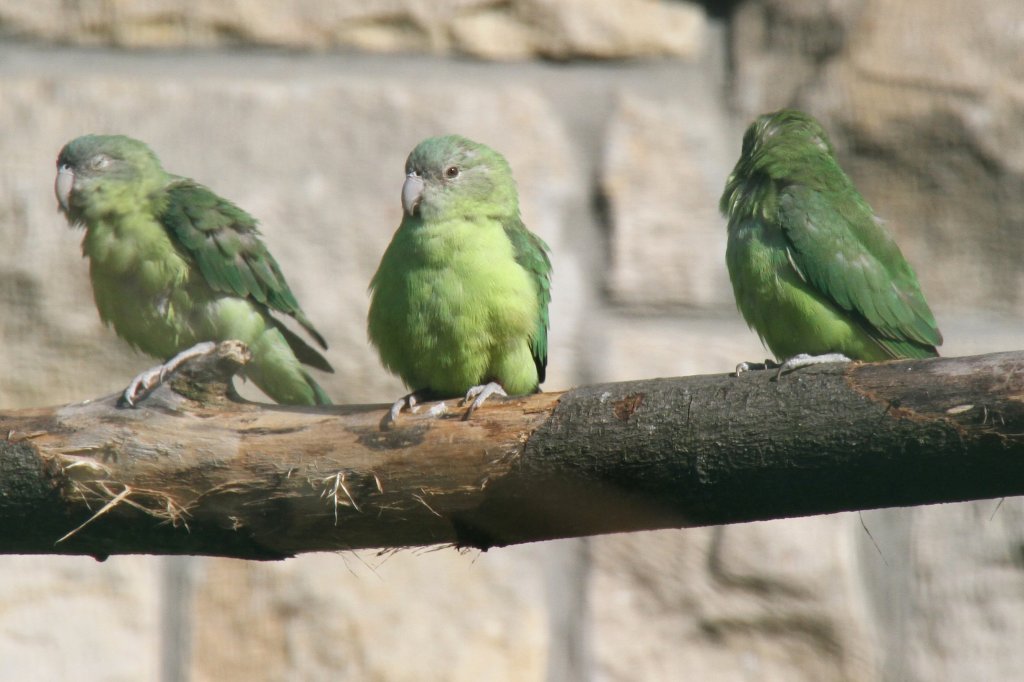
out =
column 806, row 360
column 749, row 366
column 391, row 416
column 141, row 385
column 198, row 350
column 145, row 382
column 408, row 402
column 479, row 394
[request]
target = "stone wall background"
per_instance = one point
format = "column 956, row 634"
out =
column 621, row 120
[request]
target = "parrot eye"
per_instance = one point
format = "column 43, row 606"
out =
column 99, row 162
column 451, row 172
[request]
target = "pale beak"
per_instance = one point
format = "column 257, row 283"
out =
column 412, row 191
column 62, row 187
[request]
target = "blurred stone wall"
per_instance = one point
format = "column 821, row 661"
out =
column 621, row 119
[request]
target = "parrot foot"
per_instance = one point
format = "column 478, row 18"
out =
column 410, row 402
column 406, row 402
column 751, row 366
column 479, row 394
column 805, row 360
column 145, row 382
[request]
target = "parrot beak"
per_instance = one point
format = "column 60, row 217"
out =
column 62, row 187
column 412, row 192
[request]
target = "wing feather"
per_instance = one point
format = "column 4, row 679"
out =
column 531, row 253
column 225, row 243
column 840, row 248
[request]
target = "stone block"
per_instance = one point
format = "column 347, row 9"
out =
column 770, row 601
column 73, row 618
column 646, row 347
column 486, row 29
column 664, row 168
column 571, row 29
column 778, row 46
column 413, row 615
column 945, row 590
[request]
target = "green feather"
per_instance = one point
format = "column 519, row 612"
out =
column 531, row 253
column 225, row 242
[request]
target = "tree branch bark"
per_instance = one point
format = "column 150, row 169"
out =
column 195, row 470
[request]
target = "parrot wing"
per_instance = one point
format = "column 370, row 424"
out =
column 839, row 248
column 225, row 243
column 531, row 253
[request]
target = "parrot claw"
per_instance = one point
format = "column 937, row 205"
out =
column 406, row 402
column 477, row 395
column 142, row 384
column 751, row 366
column 146, row 382
column 805, row 360
column 409, row 402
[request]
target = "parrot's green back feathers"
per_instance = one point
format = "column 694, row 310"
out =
column 812, row 269
column 462, row 292
column 173, row 264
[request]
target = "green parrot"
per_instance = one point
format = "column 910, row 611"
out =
column 174, row 268
column 813, row 270
column 459, row 303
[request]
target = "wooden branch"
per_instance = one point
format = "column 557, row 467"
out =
column 195, row 470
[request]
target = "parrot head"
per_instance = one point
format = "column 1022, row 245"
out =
column 99, row 170
column 777, row 147
column 450, row 173
column 785, row 133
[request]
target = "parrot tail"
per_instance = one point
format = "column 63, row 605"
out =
column 318, row 393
